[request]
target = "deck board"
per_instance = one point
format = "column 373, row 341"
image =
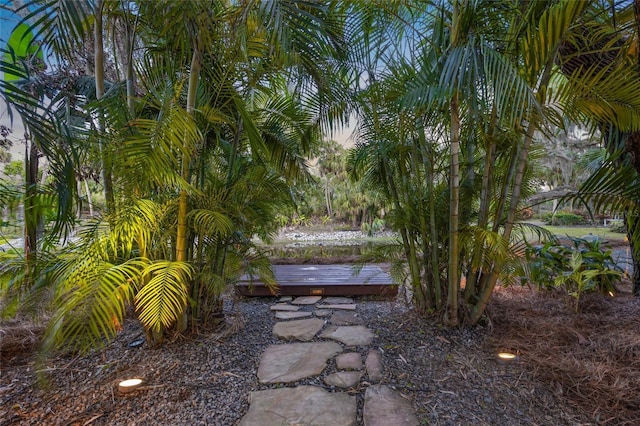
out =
column 327, row 280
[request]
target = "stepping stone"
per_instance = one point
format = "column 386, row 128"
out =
column 283, row 315
column 284, row 307
column 306, row 300
column 343, row 379
column 374, row 365
column 285, row 299
column 321, row 313
column 384, row 406
column 350, row 335
column 303, row 330
column 347, row 307
column 346, row 318
column 303, row 405
column 338, row 300
column 295, row 361
column 349, row 361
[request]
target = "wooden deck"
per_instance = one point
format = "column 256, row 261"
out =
column 323, row 280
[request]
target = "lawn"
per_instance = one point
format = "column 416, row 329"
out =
column 581, row 231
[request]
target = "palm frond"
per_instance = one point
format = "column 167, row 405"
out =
column 163, row 299
column 93, row 295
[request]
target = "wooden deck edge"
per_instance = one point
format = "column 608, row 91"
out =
column 258, row 289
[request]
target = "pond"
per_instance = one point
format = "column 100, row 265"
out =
column 371, row 251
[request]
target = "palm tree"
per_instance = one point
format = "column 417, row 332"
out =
column 605, row 92
column 477, row 88
column 230, row 101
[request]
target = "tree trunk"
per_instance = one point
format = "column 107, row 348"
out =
column 89, row 199
column 99, row 76
column 181, row 239
column 633, row 224
column 181, row 233
column 454, row 216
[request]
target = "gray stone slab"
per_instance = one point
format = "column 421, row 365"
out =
column 350, row 335
column 384, row 406
column 284, row 307
column 343, row 379
column 346, row 318
column 295, row 361
column 304, row 329
column 285, row 299
column 374, row 365
column 346, row 307
column 321, row 313
column 303, row 405
column 306, row 300
column 338, row 300
column 349, row 361
column 283, row 315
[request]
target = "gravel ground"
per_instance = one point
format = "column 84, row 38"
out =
column 449, row 374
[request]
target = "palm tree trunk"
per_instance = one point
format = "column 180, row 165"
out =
column 424, row 228
column 31, row 216
column 89, row 199
column 523, row 157
column 181, row 232
column 181, row 235
column 409, row 248
column 470, row 291
column 454, row 215
column 130, row 75
column 99, row 76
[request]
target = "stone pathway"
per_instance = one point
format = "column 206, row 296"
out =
column 325, row 333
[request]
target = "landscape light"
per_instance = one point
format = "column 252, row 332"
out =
column 506, row 357
column 129, row 385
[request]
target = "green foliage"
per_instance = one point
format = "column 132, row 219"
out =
column 163, row 297
column 563, row 219
column 578, row 268
column 617, row 226
column 14, row 168
column 376, row 225
column 201, row 154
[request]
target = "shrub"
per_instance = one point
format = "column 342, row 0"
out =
column 580, row 267
column 617, row 225
column 563, row 219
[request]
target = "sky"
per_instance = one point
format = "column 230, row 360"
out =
column 8, row 21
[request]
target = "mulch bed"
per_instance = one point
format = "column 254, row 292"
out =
column 573, row 368
column 592, row 357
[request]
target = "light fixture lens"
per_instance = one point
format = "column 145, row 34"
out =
column 506, row 357
column 130, row 385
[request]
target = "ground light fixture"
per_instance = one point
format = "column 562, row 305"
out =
column 129, row 385
column 506, row 357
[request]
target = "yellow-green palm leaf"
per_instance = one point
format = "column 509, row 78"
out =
column 163, row 299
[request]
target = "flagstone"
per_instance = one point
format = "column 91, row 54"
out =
column 346, row 318
column 321, row 313
column 384, row 406
column 306, row 300
column 346, row 307
column 343, row 379
column 373, row 364
column 284, row 307
column 350, row 335
column 338, row 300
column 285, row 299
column 283, row 315
column 295, row 361
column 302, row 405
column 304, row 329
column 349, row 361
